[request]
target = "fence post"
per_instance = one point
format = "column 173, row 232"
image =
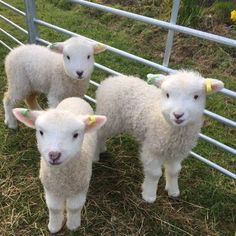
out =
column 30, row 16
column 170, row 37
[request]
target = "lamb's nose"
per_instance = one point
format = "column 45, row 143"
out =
column 79, row 73
column 177, row 116
column 54, row 155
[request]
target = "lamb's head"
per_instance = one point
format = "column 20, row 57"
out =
column 78, row 56
column 59, row 133
column 183, row 95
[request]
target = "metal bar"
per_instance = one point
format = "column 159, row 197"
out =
column 220, row 118
column 213, row 165
column 90, row 99
column 10, row 36
column 125, row 54
column 30, row 16
column 42, row 41
column 170, row 36
column 163, row 24
column 218, row 144
column 13, row 24
column 4, row 44
column 12, row 8
column 106, row 69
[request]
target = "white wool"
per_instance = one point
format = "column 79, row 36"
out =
column 34, row 69
column 148, row 113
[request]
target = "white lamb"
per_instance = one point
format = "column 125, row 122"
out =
column 64, row 71
column 67, row 147
column 165, row 120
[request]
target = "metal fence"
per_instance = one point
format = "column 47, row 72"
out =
column 34, row 37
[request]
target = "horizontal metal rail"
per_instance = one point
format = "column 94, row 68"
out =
column 4, row 44
column 213, row 165
column 218, row 144
column 10, row 36
column 12, row 8
column 90, row 99
column 125, row 54
column 13, row 24
column 163, row 24
column 220, row 118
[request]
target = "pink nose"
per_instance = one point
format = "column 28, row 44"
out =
column 54, row 155
column 177, row 116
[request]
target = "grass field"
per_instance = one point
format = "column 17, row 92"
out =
column 207, row 205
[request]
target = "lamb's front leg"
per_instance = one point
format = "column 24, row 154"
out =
column 152, row 174
column 55, row 206
column 74, row 206
column 172, row 169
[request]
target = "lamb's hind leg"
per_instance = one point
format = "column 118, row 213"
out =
column 152, row 173
column 172, row 169
column 32, row 102
column 8, row 104
column 101, row 145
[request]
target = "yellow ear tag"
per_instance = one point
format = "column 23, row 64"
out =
column 91, row 120
column 99, row 47
column 208, row 85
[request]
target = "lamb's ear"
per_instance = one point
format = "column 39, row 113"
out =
column 93, row 122
column 56, row 47
column 213, row 85
column 155, row 79
column 99, row 47
column 27, row 116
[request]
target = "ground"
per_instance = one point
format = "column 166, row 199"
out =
column 207, row 204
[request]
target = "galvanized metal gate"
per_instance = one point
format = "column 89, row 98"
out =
column 33, row 36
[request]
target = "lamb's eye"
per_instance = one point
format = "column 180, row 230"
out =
column 195, row 97
column 88, row 56
column 167, row 95
column 41, row 132
column 75, row 135
column 68, row 57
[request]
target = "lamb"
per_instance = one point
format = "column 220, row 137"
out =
column 166, row 120
column 60, row 71
column 67, row 142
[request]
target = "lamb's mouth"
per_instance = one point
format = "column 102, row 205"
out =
column 179, row 121
column 55, row 163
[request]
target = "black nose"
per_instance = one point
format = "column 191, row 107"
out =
column 79, row 73
column 177, row 116
column 54, row 155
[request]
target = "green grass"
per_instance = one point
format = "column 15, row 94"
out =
column 114, row 206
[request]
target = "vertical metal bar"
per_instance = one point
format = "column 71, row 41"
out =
column 170, row 36
column 30, row 16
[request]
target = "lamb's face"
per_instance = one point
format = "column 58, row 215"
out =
column 78, row 60
column 78, row 56
column 183, row 100
column 59, row 137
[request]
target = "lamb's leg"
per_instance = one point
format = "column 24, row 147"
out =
column 74, row 206
column 53, row 101
column 152, row 174
column 32, row 102
column 55, row 206
column 172, row 169
column 8, row 104
column 101, row 145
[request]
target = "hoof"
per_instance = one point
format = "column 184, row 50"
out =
column 148, row 198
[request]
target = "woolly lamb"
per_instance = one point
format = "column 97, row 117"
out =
column 67, row 147
column 33, row 69
column 165, row 120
